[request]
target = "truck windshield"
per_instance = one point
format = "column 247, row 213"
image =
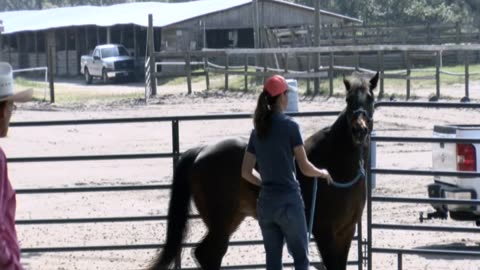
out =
column 114, row 51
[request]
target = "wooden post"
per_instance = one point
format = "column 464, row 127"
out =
column 256, row 35
column 264, row 77
column 188, row 68
column 151, row 55
column 245, row 75
column 357, row 61
column 285, row 68
column 330, row 75
column 309, row 90
column 226, row 72
column 466, row 59
column 437, row 76
column 205, row 67
column 381, row 70
column 316, row 43
column 458, row 40
column 51, row 72
column 407, row 63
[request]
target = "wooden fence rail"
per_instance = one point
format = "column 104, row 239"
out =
column 432, row 53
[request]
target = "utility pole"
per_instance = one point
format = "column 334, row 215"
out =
column 316, row 43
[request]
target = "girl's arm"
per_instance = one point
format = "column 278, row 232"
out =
column 248, row 169
column 307, row 167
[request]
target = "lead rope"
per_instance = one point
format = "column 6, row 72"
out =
column 360, row 174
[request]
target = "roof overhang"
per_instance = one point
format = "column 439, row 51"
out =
column 164, row 14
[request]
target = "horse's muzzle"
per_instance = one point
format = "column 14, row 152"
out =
column 360, row 131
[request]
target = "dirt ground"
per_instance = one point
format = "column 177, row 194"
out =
column 156, row 137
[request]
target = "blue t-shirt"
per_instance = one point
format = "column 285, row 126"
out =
column 275, row 157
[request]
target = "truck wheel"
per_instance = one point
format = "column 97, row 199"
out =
column 104, row 76
column 88, row 77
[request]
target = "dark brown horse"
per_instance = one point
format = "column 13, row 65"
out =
column 212, row 176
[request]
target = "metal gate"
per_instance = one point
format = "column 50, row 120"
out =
column 371, row 249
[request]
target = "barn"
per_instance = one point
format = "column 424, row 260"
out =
column 71, row 32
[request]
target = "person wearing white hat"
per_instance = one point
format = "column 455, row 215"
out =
column 9, row 248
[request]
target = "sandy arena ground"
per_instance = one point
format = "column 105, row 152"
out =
column 156, row 137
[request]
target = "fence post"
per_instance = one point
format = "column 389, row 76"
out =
column 226, row 72
column 316, row 43
column 369, row 214
column 205, row 67
column 330, row 75
column 381, row 70
column 360, row 245
column 176, row 156
column 466, row 98
column 309, row 91
column 151, row 55
column 409, row 72
column 437, row 76
column 189, row 71
column 245, row 75
column 51, row 73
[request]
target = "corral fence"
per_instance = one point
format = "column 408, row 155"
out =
column 371, row 198
column 174, row 155
column 365, row 247
column 302, row 35
column 253, row 63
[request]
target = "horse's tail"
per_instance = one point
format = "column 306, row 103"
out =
column 177, row 212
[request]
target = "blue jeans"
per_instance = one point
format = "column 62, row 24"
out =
column 283, row 222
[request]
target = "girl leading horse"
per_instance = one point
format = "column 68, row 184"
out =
column 211, row 175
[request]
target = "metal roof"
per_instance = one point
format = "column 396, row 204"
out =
column 130, row 13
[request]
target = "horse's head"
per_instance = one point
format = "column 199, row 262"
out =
column 360, row 101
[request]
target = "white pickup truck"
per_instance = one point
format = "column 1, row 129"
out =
column 462, row 157
column 109, row 61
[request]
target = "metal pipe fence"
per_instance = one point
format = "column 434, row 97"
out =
column 370, row 198
column 175, row 132
column 175, row 154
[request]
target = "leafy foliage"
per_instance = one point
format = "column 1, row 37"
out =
column 404, row 11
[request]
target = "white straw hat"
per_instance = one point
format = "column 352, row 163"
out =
column 6, row 86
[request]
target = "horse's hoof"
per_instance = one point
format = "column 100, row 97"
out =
column 319, row 266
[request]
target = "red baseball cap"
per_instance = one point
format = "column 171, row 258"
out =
column 275, row 85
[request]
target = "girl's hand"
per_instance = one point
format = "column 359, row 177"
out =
column 327, row 177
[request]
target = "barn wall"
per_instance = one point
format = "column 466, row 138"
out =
column 70, row 43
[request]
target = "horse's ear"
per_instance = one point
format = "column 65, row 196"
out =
column 346, row 82
column 374, row 81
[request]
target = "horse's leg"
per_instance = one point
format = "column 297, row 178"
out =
column 334, row 247
column 326, row 243
column 210, row 252
column 344, row 241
